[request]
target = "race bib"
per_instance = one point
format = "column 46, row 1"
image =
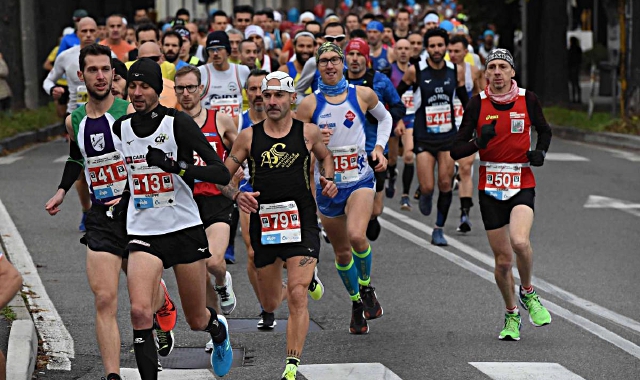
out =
column 280, row 223
column 345, row 161
column 502, row 180
column 108, row 175
column 82, row 96
column 152, row 187
column 438, row 118
column 229, row 106
column 407, row 99
column 458, row 111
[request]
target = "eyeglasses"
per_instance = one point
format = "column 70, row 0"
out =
column 334, row 61
column 190, row 88
column 154, row 58
column 216, row 49
column 339, row 38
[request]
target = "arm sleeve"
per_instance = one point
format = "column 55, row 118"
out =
column 462, row 145
column 189, row 139
column 64, row 45
column 55, row 74
column 306, row 77
column 384, row 124
column 538, row 121
column 72, row 168
column 402, row 88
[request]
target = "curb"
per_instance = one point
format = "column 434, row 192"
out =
column 23, row 342
column 41, row 135
column 615, row 140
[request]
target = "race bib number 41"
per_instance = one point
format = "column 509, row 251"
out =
column 502, row 180
column 108, row 175
column 438, row 118
column 280, row 223
column 345, row 160
column 152, row 187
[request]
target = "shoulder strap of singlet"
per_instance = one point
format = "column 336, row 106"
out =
column 238, row 77
column 483, row 95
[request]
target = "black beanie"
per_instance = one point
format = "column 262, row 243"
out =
column 219, row 38
column 147, row 71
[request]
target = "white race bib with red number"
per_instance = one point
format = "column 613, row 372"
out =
column 280, row 223
column 229, row 106
column 458, row 111
column 438, row 118
column 108, row 175
column 503, row 181
column 407, row 99
column 152, row 187
column 345, row 160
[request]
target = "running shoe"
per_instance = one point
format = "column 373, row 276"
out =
column 437, row 238
column 112, row 376
column 159, row 366
column 164, row 342
column 167, row 316
column 81, row 227
column 456, row 177
column 209, row 346
column 372, row 308
column 323, row 232
column 316, row 288
column 358, row 322
column 290, row 372
column 538, row 314
column 405, row 204
column 226, row 295
column 465, row 223
column 417, row 194
column 373, row 229
column 230, row 255
column 390, row 190
column 511, row 330
column 267, row 321
column 426, row 203
column 222, row 355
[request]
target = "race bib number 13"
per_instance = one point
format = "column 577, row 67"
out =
column 152, row 187
column 280, row 223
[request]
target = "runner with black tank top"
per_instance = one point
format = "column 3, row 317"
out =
column 283, row 224
column 435, row 83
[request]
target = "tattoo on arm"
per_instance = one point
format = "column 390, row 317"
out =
column 306, row 260
column 229, row 190
column 235, row 159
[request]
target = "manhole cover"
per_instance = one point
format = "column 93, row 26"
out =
column 238, row 325
column 188, row 358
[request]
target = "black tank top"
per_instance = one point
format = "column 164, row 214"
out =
column 279, row 167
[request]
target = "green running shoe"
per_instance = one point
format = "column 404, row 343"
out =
column 538, row 314
column 290, row 372
column 511, row 330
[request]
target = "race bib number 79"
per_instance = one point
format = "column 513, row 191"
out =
column 280, row 223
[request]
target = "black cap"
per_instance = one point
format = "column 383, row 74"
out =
column 183, row 32
column 121, row 68
column 219, row 38
column 147, row 71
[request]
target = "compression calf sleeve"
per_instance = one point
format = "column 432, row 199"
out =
column 444, row 202
column 466, row 203
column 146, row 353
column 407, row 177
column 362, row 262
column 217, row 332
column 349, row 275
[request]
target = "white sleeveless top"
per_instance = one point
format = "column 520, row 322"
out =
column 223, row 89
column 160, row 202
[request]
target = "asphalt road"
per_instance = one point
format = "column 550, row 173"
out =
column 441, row 309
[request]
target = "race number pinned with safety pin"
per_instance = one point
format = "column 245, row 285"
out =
column 152, row 187
column 345, row 160
column 280, row 223
column 108, row 175
column 502, row 180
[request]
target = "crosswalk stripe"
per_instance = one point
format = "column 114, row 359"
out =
column 169, row 374
column 9, row 159
column 525, row 371
column 552, row 156
column 350, row 371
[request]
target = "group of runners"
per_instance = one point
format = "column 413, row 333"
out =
column 168, row 187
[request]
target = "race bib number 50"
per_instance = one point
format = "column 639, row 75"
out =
column 280, row 223
column 108, row 175
column 345, row 161
column 152, row 187
column 503, row 180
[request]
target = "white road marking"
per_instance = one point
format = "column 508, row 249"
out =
column 61, row 159
column 347, row 371
column 57, row 341
column 552, row 156
column 525, row 371
column 597, row 201
column 169, row 374
column 541, row 284
column 9, row 160
column 555, row 309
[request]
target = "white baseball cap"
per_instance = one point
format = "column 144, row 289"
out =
column 286, row 82
column 253, row 29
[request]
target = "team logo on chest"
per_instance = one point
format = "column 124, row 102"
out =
column 97, row 141
column 277, row 158
column 349, row 117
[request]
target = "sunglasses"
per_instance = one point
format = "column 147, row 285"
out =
column 339, row 38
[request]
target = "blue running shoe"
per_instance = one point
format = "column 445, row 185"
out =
column 437, row 238
column 230, row 255
column 81, row 227
column 222, row 355
column 465, row 223
column 426, row 203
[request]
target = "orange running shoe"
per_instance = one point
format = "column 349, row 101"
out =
column 167, row 315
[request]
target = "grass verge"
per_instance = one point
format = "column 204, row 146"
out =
column 27, row 120
column 600, row 122
column 8, row 314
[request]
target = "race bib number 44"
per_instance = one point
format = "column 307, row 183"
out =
column 152, row 187
column 503, row 181
column 108, row 175
column 345, row 161
column 438, row 118
column 280, row 223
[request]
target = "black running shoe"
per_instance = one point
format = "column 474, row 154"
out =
column 358, row 324
column 372, row 308
column 373, row 229
column 267, row 321
column 164, row 342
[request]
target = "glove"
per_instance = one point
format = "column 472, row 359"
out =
column 156, row 157
column 119, row 211
column 536, row 157
column 487, row 132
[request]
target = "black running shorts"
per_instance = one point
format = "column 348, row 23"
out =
column 496, row 214
column 104, row 234
column 216, row 209
column 433, row 147
column 180, row 247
